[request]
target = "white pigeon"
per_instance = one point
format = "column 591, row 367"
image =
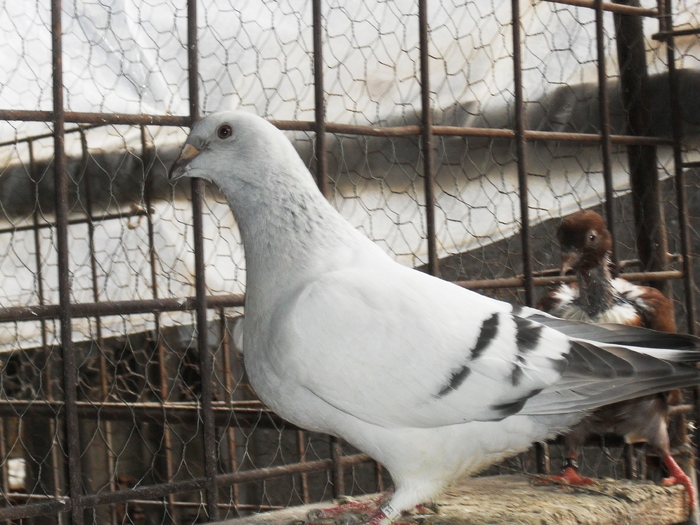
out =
column 430, row 379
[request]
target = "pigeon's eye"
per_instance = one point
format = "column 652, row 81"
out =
column 224, row 131
column 592, row 237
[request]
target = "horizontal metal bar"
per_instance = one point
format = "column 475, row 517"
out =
column 297, row 468
column 48, row 135
column 96, row 118
column 159, row 491
column 247, row 413
column 21, row 496
column 517, row 282
column 53, row 311
column 82, row 220
column 665, row 35
column 695, row 164
column 32, row 510
column 613, row 8
column 343, row 129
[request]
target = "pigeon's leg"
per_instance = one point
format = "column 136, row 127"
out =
column 660, row 441
column 569, row 474
column 678, row 477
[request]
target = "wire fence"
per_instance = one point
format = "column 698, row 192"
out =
column 450, row 135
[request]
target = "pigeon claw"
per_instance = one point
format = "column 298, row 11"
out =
column 678, row 477
column 348, row 505
column 569, row 476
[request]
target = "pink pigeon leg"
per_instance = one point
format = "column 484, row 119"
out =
column 678, row 477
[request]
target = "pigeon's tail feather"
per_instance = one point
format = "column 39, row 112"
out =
column 599, row 374
column 618, row 334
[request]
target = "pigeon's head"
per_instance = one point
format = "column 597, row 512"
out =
column 584, row 239
column 233, row 147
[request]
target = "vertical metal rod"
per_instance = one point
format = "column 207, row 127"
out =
column 521, row 152
column 104, row 372
column 322, row 181
column 379, row 476
column 652, row 243
column 605, row 130
column 541, row 449
column 206, row 360
column 228, row 384
column 338, row 472
column 48, row 376
column 303, row 477
column 70, row 366
column 147, row 158
column 681, row 184
column 427, row 138
column 319, row 100
column 666, row 24
column 4, row 474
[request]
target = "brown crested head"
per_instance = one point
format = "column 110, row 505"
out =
column 584, row 240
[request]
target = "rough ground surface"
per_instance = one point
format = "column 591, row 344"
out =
column 517, row 500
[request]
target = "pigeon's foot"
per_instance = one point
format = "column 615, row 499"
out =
column 371, row 512
column 349, row 505
column 678, row 477
column 569, row 476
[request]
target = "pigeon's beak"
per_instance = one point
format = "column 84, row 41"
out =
column 568, row 261
column 179, row 169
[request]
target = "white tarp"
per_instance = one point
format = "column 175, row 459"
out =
column 130, row 57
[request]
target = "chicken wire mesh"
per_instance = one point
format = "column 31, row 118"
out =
column 107, row 422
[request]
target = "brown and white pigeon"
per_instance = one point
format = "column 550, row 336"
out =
column 431, row 380
column 596, row 297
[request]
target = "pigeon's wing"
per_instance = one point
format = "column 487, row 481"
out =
column 400, row 348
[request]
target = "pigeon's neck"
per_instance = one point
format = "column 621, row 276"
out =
column 595, row 286
column 289, row 235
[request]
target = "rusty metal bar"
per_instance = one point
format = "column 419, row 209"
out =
column 521, row 153
column 350, row 129
column 104, row 373
column 4, row 474
column 159, row 491
column 57, row 461
column 518, row 282
column 158, row 413
column 70, row 365
column 33, row 510
column 95, row 118
column 303, row 477
column 34, row 138
column 613, row 8
column 147, row 159
column 679, row 172
column 71, row 222
column 205, row 356
column 141, row 306
column 38, row 312
column 229, row 387
column 666, row 35
column 541, row 449
column 605, row 130
column 337, row 470
column 651, row 240
column 427, row 138
column 319, row 99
